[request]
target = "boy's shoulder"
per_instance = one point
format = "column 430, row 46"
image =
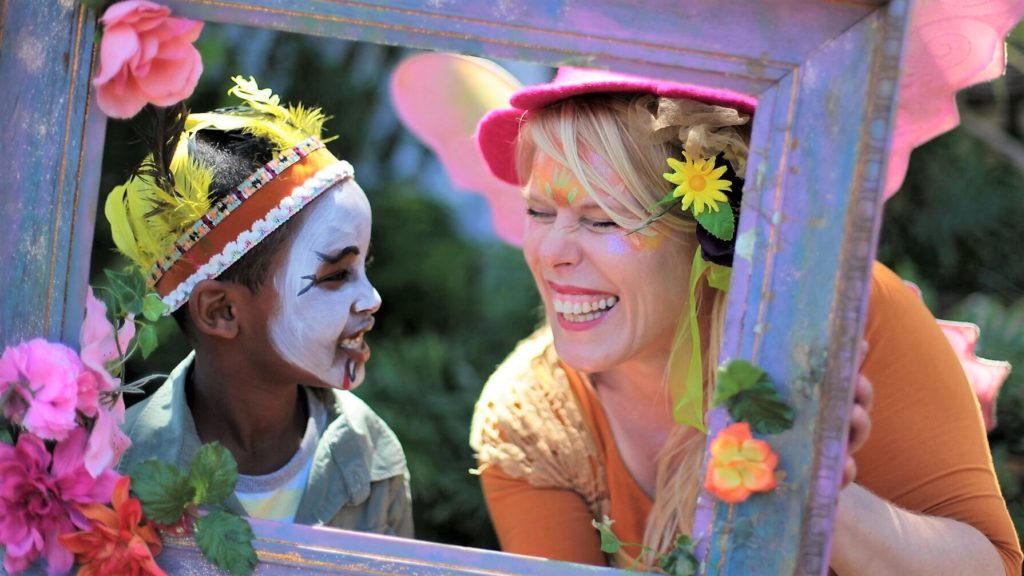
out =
column 355, row 433
column 160, row 424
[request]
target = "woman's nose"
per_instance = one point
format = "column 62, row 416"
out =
column 560, row 246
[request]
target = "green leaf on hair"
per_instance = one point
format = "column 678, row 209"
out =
column 720, row 224
column 153, row 307
column 610, row 543
column 214, row 473
column 147, row 340
column 163, row 489
column 226, row 540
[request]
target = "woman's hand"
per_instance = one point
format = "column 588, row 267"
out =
column 860, row 419
column 860, row 425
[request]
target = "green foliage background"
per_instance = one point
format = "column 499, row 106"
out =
column 454, row 305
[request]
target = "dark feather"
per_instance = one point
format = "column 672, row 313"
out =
column 161, row 140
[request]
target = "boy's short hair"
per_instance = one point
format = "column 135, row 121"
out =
column 232, row 157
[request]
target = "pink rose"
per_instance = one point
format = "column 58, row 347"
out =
column 39, row 500
column 146, row 57
column 40, row 380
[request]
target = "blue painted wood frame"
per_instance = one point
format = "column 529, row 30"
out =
column 825, row 74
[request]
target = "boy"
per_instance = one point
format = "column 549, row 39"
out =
column 256, row 238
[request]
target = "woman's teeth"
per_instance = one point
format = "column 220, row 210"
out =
column 586, row 310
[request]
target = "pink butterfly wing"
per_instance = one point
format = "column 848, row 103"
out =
column 440, row 98
column 986, row 376
column 951, row 45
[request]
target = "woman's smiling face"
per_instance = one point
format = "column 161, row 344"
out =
column 610, row 297
column 325, row 300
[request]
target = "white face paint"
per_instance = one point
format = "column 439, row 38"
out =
column 326, row 301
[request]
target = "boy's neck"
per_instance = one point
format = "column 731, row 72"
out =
column 260, row 422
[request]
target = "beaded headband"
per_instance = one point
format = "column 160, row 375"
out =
column 259, row 206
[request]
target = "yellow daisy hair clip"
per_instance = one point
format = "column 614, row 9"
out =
column 701, row 185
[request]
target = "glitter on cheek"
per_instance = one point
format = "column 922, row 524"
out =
column 645, row 243
column 619, row 244
column 622, row 244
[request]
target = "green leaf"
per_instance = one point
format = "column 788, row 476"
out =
column 610, row 543
column 680, row 561
column 147, row 339
column 721, row 224
column 153, row 307
column 214, row 473
column 128, row 288
column 109, row 297
column 735, row 376
column 163, row 489
column 226, row 540
column 5, row 436
column 762, row 407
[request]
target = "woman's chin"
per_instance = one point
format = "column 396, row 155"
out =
column 581, row 356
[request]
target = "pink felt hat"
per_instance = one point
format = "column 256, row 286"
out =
column 498, row 131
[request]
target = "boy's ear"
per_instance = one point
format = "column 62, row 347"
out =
column 213, row 308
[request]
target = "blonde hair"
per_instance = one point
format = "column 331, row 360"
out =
column 634, row 134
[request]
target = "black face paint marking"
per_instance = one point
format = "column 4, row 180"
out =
column 327, row 259
column 335, row 258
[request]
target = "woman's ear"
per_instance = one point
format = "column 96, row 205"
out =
column 213, row 308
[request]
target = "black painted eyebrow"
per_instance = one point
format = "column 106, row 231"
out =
column 339, row 256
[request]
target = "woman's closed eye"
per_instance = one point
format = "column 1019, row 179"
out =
column 539, row 214
column 599, row 224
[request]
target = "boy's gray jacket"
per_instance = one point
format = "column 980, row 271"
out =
column 358, row 481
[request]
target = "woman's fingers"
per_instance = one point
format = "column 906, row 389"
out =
column 860, row 424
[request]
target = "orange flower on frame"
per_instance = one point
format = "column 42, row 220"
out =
column 116, row 543
column 740, row 465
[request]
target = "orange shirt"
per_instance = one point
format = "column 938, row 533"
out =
column 927, row 451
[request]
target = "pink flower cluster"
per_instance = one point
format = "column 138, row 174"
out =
column 53, row 394
column 146, row 57
column 39, row 495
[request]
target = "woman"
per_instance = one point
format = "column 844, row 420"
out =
column 578, row 422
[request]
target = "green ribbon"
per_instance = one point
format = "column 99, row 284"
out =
column 688, row 392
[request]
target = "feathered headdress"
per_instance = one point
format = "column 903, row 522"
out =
column 163, row 217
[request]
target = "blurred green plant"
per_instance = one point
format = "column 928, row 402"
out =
column 453, row 308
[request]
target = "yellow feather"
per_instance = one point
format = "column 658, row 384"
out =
column 115, row 210
column 146, row 220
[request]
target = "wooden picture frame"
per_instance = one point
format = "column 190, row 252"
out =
column 825, row 73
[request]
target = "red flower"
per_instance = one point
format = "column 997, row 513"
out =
column 117, row 542
column 740, row 465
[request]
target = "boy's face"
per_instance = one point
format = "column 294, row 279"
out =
column 325, row 301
